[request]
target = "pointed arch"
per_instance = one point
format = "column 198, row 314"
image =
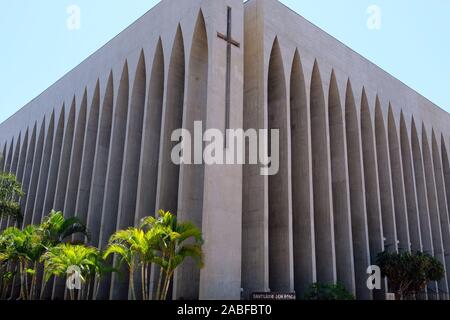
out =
column 22, row 157
column 172, row 119
column 148, row 177
column 340, row 188
column 49, row 198
column 114, row 173
column 376, row 241
column 97, row 193
column 87, row 162
column 422, row 199
column 302, row 206
column 401, row 219
column 15, row 158
column 127, row 202
column 28, row 166
column 410, row 189
column 75, row 160
column 64, row 164
column 168, row 174
column 357, row 195
column 280, row 219
column 43, row 174
column 442, row 203
column 323, row 216
column 32, row 188
column 190, row 202
column 385, row 182
column 9, row 157
column 434, row 209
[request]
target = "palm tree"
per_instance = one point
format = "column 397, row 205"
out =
column 23, row 248
column 176, row 241
column 135, row 248
column 56, row 228
column 63, row 259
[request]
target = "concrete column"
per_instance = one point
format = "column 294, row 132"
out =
column 434, row 210
column 255, row 220
column 422, row 200
column 340, row 185
column 172, row 119
column 281, row 277
column 64, row 164
column 398, row 185
column 28, row 166
column 357, row 196
column 148, row 175
column 49, row 198
column 191, row 189
column 302, row 201
column 75, row 160
column 130, row 170
column 43, row 173
column 9, row 156
column 5, row 221
column 32, row 188
column 114, row 172
column 94, row 216
column 87, row 162
column 376, row 241
column 410, row 188
column 442, row 204
column 323, row 213
column 384, row 175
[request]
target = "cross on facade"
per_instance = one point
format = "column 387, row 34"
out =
column 230, row 42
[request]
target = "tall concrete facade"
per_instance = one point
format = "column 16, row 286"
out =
column 364, row 162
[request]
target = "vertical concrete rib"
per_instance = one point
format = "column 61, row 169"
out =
column 32, row 188
column 422, row 201
column 9, row 156
column 75, row 160
column 357, row 196
column 49, row 198
column 323, row 215
column 280, row 216
column 398, row 185
column 434, row 210
column 87, row 162
column 410, row 188
column 64, row 163
column 442, row 203
column 15, row 158
column 43, row 172
column 376, row 241
column 97, row 193
column 130, row 170
column 28, row 167
column 114, row 172
column 172, row 119
column 302, row 202
column 191, row 191
column 148, row 175
column 340, row 186
column 384, row 175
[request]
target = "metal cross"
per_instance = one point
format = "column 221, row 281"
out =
column 230, row 42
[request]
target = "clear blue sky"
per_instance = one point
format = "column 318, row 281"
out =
column 38, row 48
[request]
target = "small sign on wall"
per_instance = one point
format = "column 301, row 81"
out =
column 273, row 296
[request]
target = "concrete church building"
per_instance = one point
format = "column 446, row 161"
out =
column 364, row 160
